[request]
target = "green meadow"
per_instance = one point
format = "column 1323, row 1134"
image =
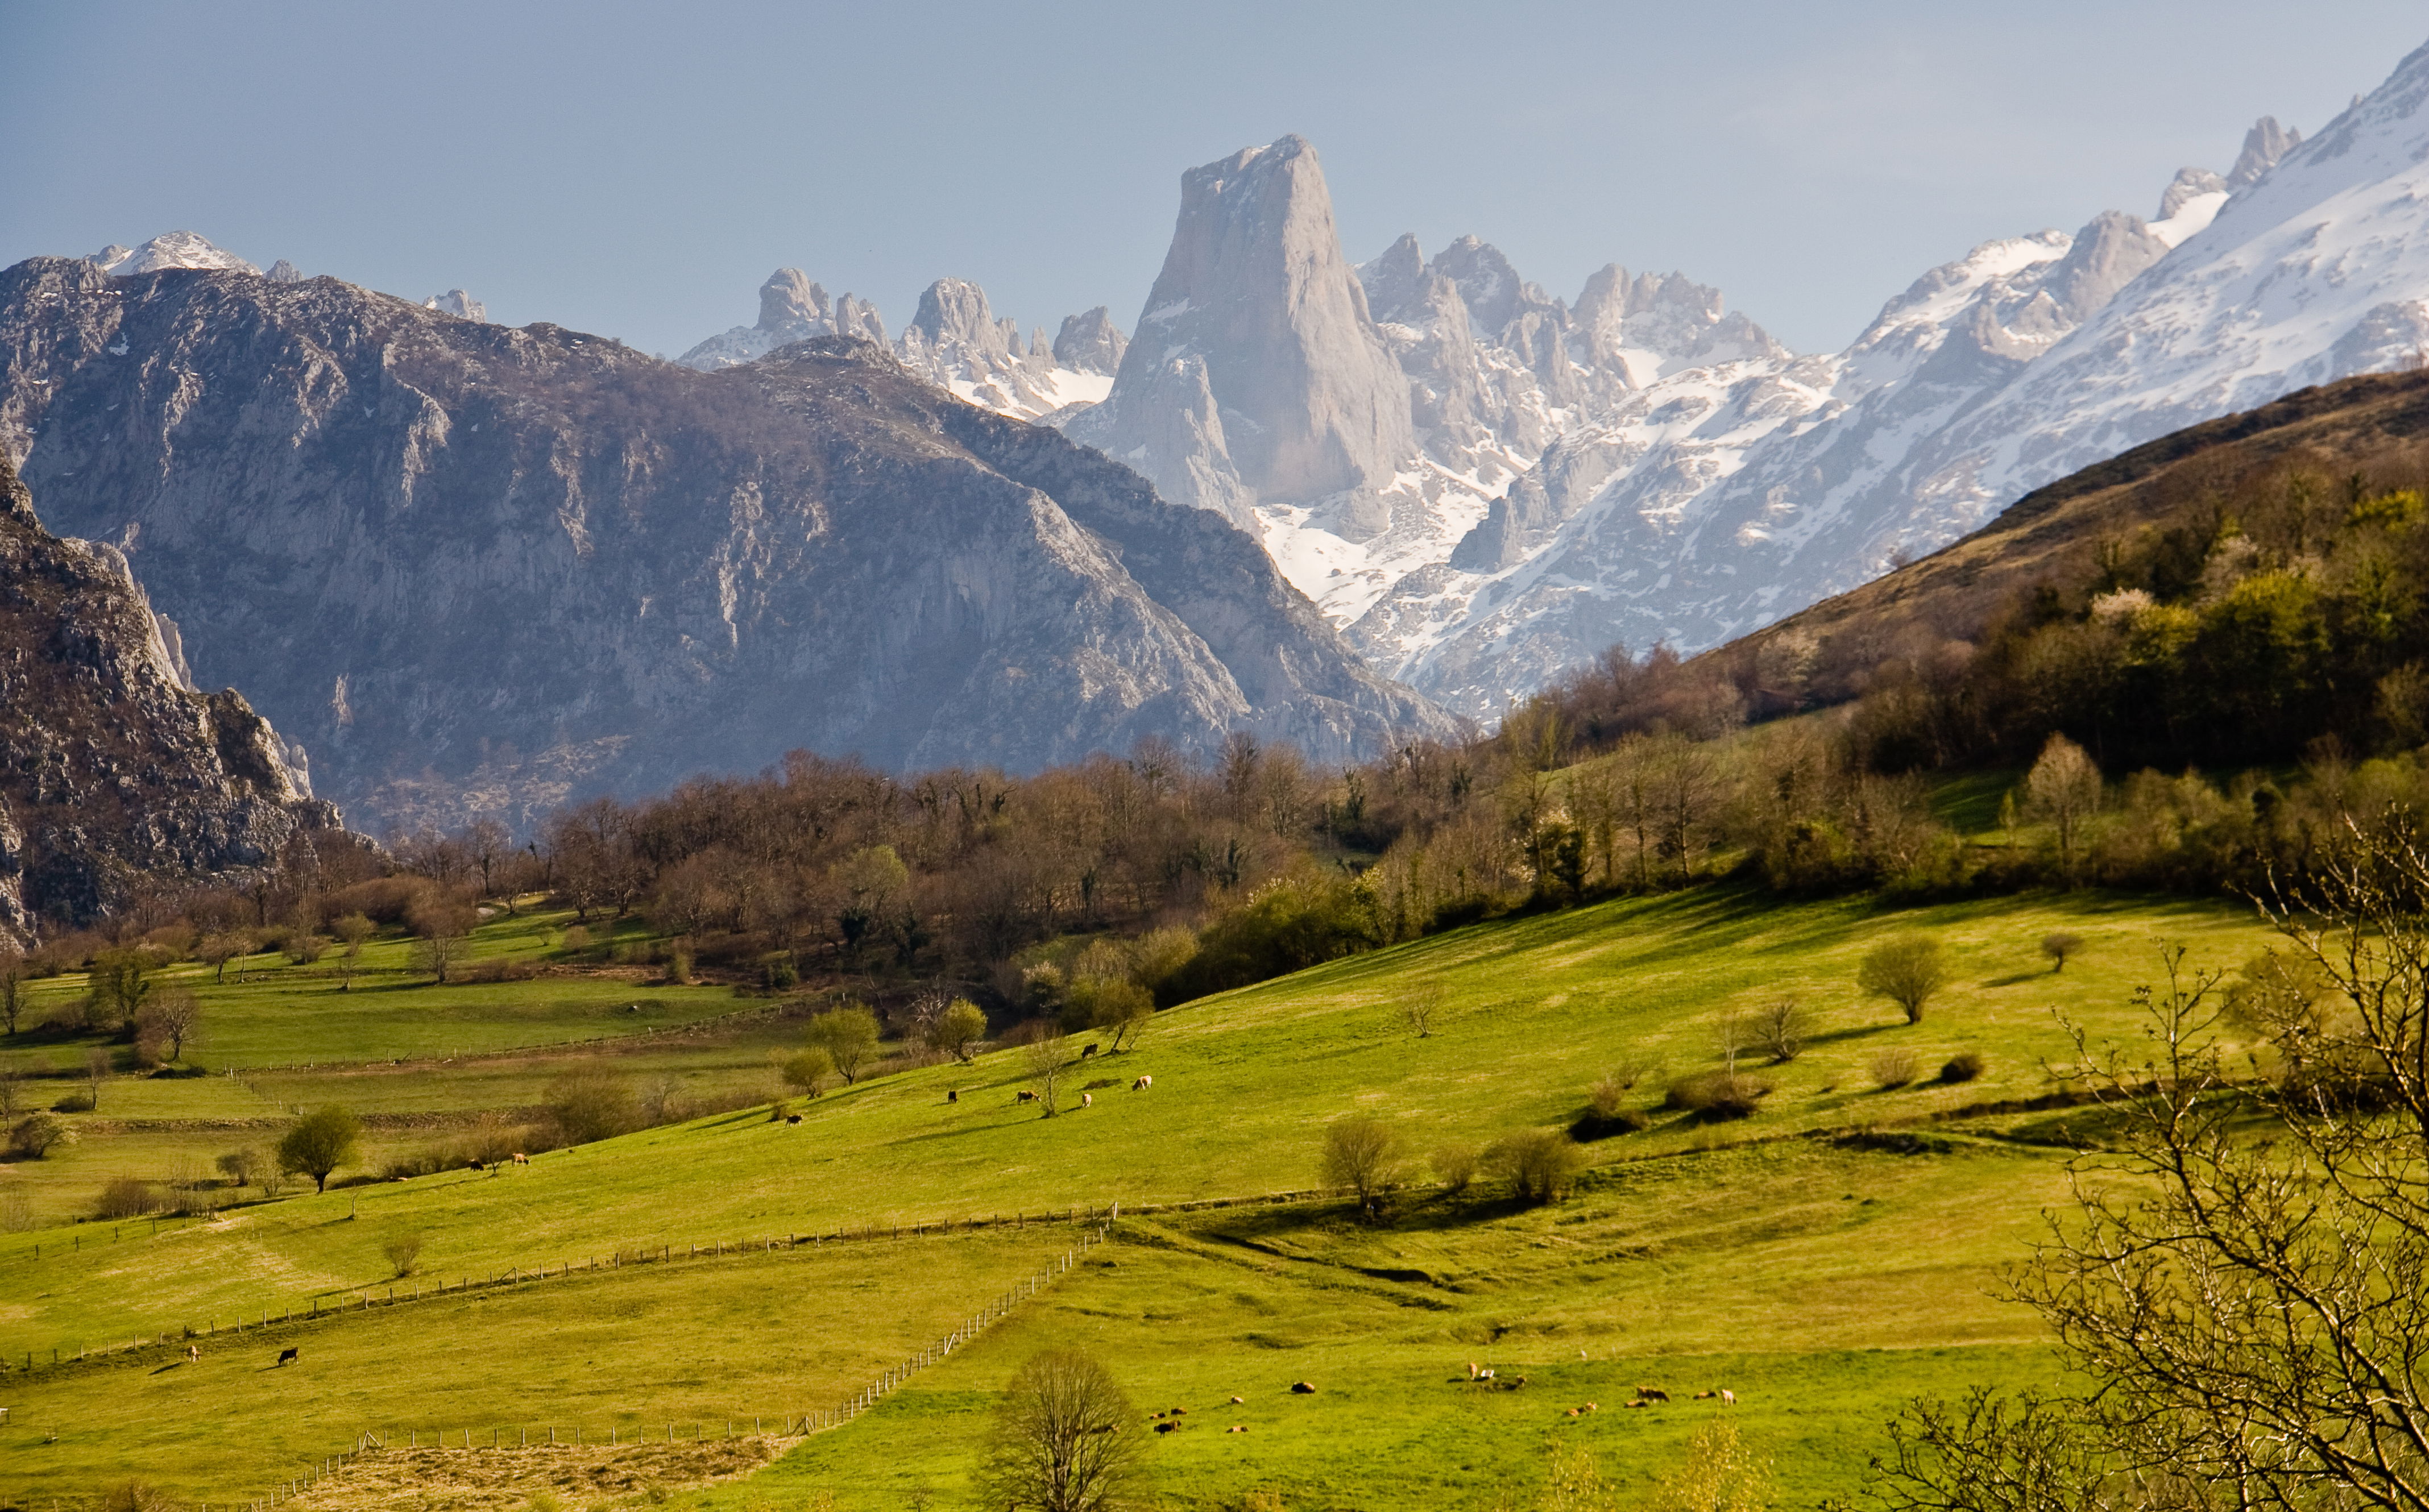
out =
column 1793, row 1257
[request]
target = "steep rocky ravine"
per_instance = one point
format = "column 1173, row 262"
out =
column 115, row 773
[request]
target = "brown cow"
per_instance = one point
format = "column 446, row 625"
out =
column 290, row 1356
column 521, row 1159
column 1652, row 1393
column 792, row 1118
column 1024, row 1098
column 1142, row 1084
column 1087, row 1099
column 952, row 1095
column 1166, row 1427
column 1303, row 1389
column 1087, row 1050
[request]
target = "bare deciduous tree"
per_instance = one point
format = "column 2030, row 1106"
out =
column 2063, row 789
column 2246, row 1312
column 1362, row 1156
column 1418, row 1009
column 1065, row 1439
column 1045, row 1058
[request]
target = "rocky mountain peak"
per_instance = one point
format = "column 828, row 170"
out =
column 1392, row 279
column 1315, row 411
column 789, row 299
column 954, row 311
column 1494, row 293
column 458, row 304
column 1090, row 343
column 176, row 249
column 283, row 272
column 2188, row 185
column 2263, row 146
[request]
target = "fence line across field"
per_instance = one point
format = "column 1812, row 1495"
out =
column 365, row 1298
column 460, row 1439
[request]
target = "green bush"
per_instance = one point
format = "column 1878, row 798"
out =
column 1291, row 924
column 75, row 1102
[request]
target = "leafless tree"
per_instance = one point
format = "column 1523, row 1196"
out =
column 175, row 1016
column 1419, row 1007
column 1066, row 1438
column 1046, row 1059
column 1362, row 1156
column 2247, row 1313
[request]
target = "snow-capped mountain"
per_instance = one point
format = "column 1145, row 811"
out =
column 955, row 341
column 1640, row 466
column 177, row 249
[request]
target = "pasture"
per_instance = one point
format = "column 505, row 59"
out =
column 1836, row 1278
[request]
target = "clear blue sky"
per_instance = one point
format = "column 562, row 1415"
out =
column 638, row 170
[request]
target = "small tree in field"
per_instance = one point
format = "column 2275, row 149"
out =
column 1908, row 970
column 445, row 924
column 2063, row 789
column 2059, row 945
column 1362, row 1156
column 244, row 1167
column 958, row 1030
column 806, row 1070
column 849, row 1036
column 172, row 1016
column 1065, row 1439
column 1419, row 1009
column 352, row 931
column 319, row 1142
column 13, row 988
column 1046, row 1059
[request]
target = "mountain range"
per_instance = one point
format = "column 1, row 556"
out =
column 471, row 568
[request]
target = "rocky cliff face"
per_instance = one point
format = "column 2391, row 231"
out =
column 1257, row 306
column 490, row 568
column 114, row 771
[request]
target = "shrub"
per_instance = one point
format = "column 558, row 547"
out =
column 243, row 1167
column 404, row 1252
column 1454, row 1162
column 75, row 1102
column 1780, row 1028
column 1893, row 1069
column 777, row 972
column 37, row 1134
column 1539, row 1165
column 2057, row 945
column 1906, row 970
column 589, row 1103
column 1362, row 1156
column 1589, row 1125
column 1963, row 1066
column 1292, row 923
column 303, row 947
column 1714, row 1095
column 125, row 1197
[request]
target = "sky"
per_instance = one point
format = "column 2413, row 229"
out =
column 637, row 171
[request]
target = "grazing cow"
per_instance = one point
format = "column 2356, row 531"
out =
column 1087, row 1050
column 193, row 1354
column 521, row 1159
column 1024, row 1098
column 1236, row 1401
column 1142, row 1084
column 1475, row 1371
column 1705, row 1396
column 1485, row 1375
column 1177, row 1412
column 1237, row 1427
column 1729, row 1398
column 290, row 1356
column 1087, row 1099
column 1652, row 1393
column 792, row 1118
column 1303, row 1389
column 1166, row 1427
column 1636, row 1404
column 1573, row 1411
column 952, row 1095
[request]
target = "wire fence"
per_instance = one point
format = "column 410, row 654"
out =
column 376, row 1442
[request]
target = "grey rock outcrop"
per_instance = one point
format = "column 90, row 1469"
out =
column 283, row 272
column 1315, row 411
column 1090, row 343
column 522, row 565
column 2188, row 186
column 2264, row 146
column 115, row 776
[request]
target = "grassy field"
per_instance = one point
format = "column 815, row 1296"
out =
column 1820, row 1279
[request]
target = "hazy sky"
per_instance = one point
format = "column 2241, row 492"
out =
column 638, row 170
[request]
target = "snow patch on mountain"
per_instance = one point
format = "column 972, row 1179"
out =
column 955, row 341
column 176, row 249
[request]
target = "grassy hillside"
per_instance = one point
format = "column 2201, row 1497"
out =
column 1742, row 1252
